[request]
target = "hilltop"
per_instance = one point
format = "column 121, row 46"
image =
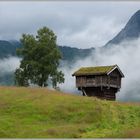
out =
column 44, row 113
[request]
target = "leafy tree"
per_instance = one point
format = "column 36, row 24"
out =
column 40, row 60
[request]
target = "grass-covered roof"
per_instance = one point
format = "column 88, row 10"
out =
column 99, row 70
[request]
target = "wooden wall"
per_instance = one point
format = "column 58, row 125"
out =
column 111, row 80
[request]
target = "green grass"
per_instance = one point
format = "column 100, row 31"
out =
column 43, row 113
column 94, row 70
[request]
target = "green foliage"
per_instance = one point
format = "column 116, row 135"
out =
column 43, row 113
column 40, row 59
column 69, row 56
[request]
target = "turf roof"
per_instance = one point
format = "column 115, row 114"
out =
column 99, row 70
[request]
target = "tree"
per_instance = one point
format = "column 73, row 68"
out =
column 40, row 60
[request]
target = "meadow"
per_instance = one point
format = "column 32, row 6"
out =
column 44, row 113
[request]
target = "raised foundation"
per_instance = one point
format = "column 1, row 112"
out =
column 100, row 92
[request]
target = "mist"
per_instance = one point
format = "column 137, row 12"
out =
column 7, row 68
column 126, row 55
column 9, row 64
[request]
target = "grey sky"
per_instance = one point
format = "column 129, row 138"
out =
column 77, row 24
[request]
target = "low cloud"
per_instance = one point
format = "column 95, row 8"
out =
column 126, row 55
column 8, row 65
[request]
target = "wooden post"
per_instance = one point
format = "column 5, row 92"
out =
column 108, row 82
column 101, row 83
column 84, row 93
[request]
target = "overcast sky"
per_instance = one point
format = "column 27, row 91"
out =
column 76, row 24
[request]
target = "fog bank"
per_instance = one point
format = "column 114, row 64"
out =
column 126, row 55
column 9, row 64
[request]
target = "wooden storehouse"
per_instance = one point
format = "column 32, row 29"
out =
column 102, row 81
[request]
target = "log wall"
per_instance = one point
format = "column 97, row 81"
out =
column 111, row 80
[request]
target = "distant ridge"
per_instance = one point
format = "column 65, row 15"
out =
column 8, row 48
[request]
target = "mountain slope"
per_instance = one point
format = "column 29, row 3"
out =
column 43, row 113
column 130, row 31
column 8, row 48
column 72, row 54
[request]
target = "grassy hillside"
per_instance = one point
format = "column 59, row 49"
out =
column 38, row 113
